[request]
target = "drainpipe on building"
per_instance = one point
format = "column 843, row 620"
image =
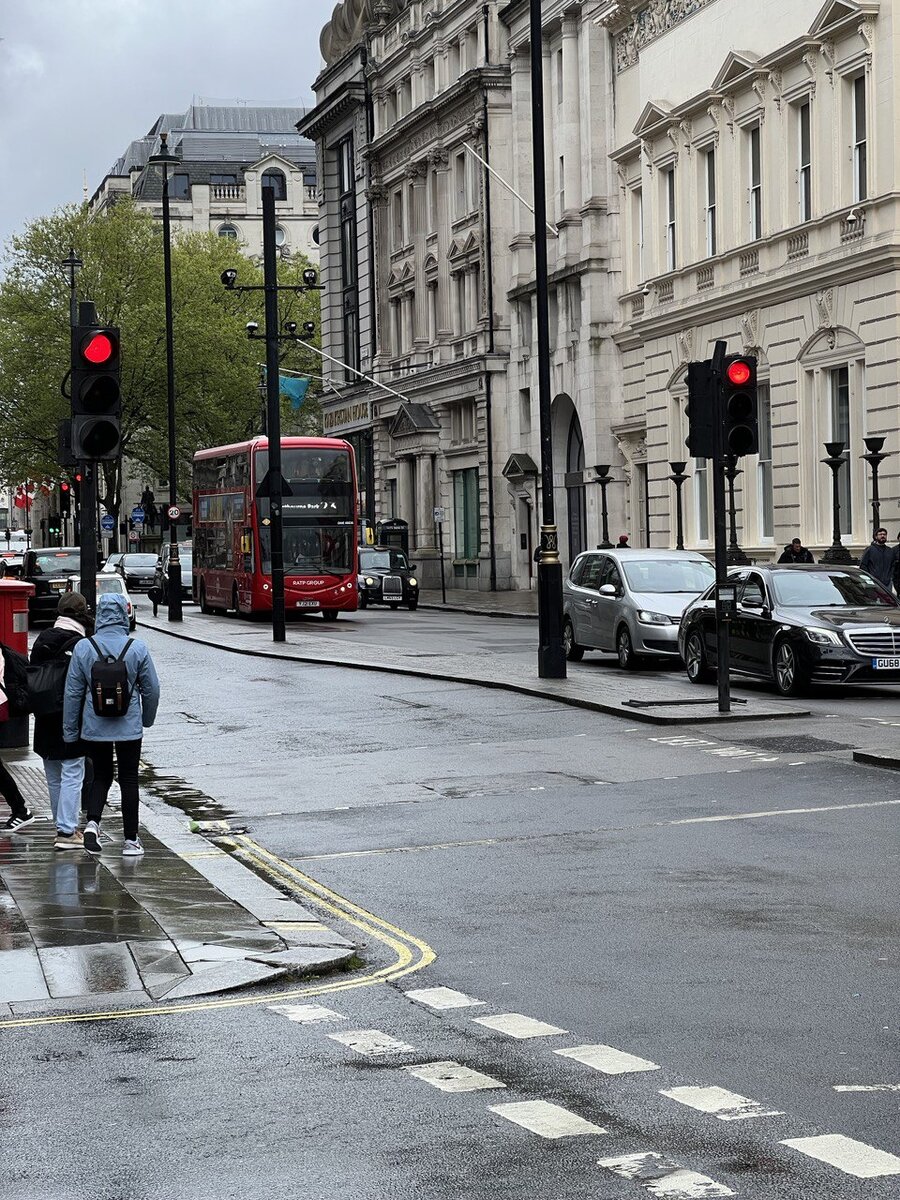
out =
column 488, row 375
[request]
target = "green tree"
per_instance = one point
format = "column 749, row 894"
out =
column 216, row 365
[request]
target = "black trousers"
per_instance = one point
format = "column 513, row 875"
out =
column 128, row 757
column 9, row 790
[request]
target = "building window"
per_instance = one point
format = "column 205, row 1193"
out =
column 559, row 77
column 755, row 177
column 701, row 496
column 669, row 195
column 459, row 177
column 410, row 213
column 764, row 466
column 228, row 231
column 397, row 213
column 637, row 221
column 428, row 80
column 223, row 180
column 840, row 432
column 348, row 256
column 432, row 313
column 465, row 512
column 860, row 141
column 459, row 298
column 524, row 410
column 561, row 187
column 179, row 186
column 709, row 175
column 275, row 180
column 453, row 64
column 526, row 325
column 432, row 201
column 462, row 422
column 396, row 330
column 804, row 177
column 390, row 497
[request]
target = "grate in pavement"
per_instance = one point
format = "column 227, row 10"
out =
column 795, row 744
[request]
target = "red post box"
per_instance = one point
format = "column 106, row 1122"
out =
column 14, row 633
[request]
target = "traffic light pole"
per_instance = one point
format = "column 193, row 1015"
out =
column 88, row 534
column 723, row 615
column 273, row 414
column 173, row 580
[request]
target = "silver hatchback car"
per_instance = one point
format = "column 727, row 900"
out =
column 630, row 601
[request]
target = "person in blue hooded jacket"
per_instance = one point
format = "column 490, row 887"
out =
column 104, row 735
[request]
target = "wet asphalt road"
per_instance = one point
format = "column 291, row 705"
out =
column 562, row 865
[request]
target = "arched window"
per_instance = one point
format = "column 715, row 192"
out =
column 575, row 487
column 280, row 235
column 274, row 178
column 228, row 231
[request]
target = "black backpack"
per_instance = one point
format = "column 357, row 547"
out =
column 110, row 689
column 46, row 685
column 15, row 680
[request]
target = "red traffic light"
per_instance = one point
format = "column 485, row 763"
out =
column 98, row 348
column 78, row 477
column 738, row 372
column 63, row 487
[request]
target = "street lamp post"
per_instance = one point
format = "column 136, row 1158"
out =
column 875, row 457
column 165, row 159
column 837, row 552
column 604, row 481
column 678, row 477
column 551, row 655
column 735, row 555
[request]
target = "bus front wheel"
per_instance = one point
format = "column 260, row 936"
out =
column 204, row 607
column 329, row 614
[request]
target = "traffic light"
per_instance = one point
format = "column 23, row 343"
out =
column 53, row 525
column 96, row 394
column 701, row 409
column 740, row 417
column 76, row 489
column 65, row 498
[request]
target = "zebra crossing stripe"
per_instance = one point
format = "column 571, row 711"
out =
column 518, row 1026
column 661, row 1177
column 607, row 1059
column 306, row 1014
column 371, row 1042
column 442, row 997
column 847, row 1154
column 727, row 1106
column 545, row 1119
column 453, row 1077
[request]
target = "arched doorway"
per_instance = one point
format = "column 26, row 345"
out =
column 568, row 461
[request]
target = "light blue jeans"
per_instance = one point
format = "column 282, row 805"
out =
column 64, row 779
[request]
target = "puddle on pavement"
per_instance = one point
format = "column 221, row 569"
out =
column 191, row 801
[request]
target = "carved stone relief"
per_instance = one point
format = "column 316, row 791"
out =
column 650, row 23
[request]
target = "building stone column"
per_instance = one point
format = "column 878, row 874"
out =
column 377, row 196
column 440, row 163
column 417, row 174
column 406, row 482
column 425, row 503
column 569, row 120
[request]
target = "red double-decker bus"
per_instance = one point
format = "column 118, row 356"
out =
column 232, row 568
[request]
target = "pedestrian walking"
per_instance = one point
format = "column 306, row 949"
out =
column 878, row 559
column 796, row 552
column 12, row 704
column 112, row 694
column 63, row 761
column 622, row 543
column 896, row 568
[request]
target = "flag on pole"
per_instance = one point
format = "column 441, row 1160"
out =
column 294, row 389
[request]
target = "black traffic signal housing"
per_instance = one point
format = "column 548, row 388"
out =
column 54, row 525
column 96, row 393
column 65, row 498
column 701, row 409
column 76, row 490
column 740, row 412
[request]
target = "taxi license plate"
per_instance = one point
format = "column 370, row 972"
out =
column 307, row 604
column 886, row 664
column 57, row 585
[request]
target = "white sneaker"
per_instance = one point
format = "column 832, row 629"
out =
column 132, row 849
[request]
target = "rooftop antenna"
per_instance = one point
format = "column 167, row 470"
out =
column 84, row 187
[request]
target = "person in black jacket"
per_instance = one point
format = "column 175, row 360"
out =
column 796, row 552
column 878, row 559
column 12, row 686
column 63, row 762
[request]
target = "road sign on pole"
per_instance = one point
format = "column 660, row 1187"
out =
column 137, row 515
column 174, row 512
column 133, row 535
column 107, row 523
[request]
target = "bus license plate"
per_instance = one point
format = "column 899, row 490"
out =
column 307, row 604
column 886, row 664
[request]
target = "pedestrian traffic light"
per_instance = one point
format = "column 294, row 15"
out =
column 65, row 498
column 739, row 408
column 96, row 393
column 701, row 408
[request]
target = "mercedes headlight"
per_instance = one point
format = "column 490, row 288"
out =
column 653, row 618
column 823, row 637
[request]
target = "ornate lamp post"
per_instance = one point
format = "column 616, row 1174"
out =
column 875, row 457
column 679, row 478
column 735, row 555
column 604, row 481
column 837, row 552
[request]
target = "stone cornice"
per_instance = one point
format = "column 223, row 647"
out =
column 349, row 96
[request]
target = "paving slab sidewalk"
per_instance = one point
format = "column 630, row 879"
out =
column 184, row 920
column 648, row 699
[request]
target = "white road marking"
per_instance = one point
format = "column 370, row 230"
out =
column 607, row 1059
column 780, row 812
column 371, row 1042
column 442, row 997
column 727, row 1106
column 664, row 1178
column 306, row 1014
column 847, row 1154
column 518, row 1026
column 867, row 1087
column 453, row 1077
column 548, row 1120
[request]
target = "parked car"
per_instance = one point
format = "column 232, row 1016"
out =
column 630, row 602
column 386, row 577
column 138, row 570
column 48, row 569
column 799, row 625
column 108, row 583
column 161, row 574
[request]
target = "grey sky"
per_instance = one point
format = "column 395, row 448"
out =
column 79, row 79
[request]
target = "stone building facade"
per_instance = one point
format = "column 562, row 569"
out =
column 757, row 156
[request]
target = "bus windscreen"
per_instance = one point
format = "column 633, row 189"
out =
column 317, row 511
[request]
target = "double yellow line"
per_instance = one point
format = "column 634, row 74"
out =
column 410, row 953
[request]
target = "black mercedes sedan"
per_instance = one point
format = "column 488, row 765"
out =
column 798, row 625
